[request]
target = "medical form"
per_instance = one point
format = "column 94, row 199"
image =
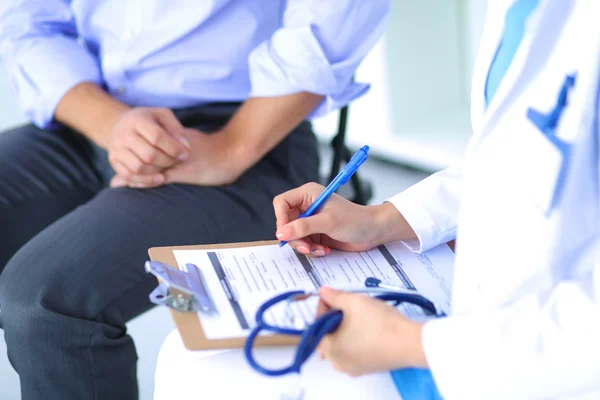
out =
column 241, row 279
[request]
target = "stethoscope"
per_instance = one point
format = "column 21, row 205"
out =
column 326, row 323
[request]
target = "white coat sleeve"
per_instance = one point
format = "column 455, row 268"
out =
column 431, row 207
column 544, row 345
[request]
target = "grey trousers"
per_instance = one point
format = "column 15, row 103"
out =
column 72, row 250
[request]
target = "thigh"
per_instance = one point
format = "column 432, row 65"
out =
column 43, row 176
column 181, row 373
column 90, row 263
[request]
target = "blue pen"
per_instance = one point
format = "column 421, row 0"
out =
column 356, row 161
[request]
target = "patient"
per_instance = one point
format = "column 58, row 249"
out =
column 152, row 123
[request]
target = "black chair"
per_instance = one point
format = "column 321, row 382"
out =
column 360, row 191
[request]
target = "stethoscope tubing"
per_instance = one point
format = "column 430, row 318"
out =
column 312, row 336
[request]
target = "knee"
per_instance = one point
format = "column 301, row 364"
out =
column 22, row 293
column 13, row 301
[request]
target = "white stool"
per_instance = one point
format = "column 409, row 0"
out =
column 225, row 374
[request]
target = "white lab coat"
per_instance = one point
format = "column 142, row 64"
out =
column 526, row 311
column 526, row 295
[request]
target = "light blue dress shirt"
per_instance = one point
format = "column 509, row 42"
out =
column 514, row 29
column 183, row 53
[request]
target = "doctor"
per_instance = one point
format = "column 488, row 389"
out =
column 523, row 206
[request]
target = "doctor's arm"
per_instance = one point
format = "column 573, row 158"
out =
column 544, row 345
column 423, row 216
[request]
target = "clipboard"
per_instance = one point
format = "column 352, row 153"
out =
column 185, row 316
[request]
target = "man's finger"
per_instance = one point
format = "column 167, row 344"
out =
column 167, row 119
column 157, row 137
column 137, row 181
column 147, row 153
column 117, row 181
column 121, row 171
column 134, row 164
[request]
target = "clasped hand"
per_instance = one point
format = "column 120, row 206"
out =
column 149, row 147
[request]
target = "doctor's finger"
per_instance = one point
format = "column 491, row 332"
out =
column 300, row 198
column 303, row 227
column 322, row 308
column 324, row 346
column 309, row 247
column 336, row 298
column 302, row 246
column 326, row 350
column 283, row 219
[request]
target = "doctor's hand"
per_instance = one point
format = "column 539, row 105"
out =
column 340, row 224
column 144, row 143
column 373, row 336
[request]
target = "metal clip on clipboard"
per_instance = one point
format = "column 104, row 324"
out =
column 183, row 291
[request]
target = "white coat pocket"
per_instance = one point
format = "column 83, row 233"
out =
column 550, row 158
column 543, row 176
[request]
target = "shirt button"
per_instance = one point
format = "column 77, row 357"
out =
column 120, row 89
column 127, row 36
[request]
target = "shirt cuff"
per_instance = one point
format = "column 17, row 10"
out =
column 278, row 69
column 45, row 72
column 408, row 203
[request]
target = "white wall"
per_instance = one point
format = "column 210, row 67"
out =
column 417, row 111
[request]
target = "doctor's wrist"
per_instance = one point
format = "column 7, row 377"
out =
column 389, row 225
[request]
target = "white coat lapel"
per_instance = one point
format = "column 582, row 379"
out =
column 541, row 32
column 494, row 24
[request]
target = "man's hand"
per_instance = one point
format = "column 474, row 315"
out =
column 222, row 157
column 141, row 142
column 146, row 142
column 373, row 336
column 210, row 163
